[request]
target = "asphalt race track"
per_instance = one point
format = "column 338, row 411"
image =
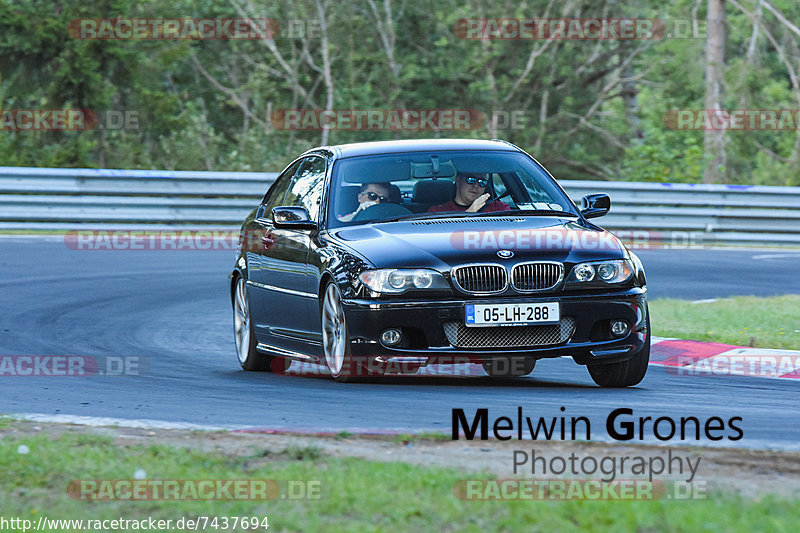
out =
column 171, row 310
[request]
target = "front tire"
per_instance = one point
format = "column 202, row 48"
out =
column 626, row 373
column 343, row 366
column 335, row 335
column 244, row 336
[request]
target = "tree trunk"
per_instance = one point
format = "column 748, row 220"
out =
column 629, row 96
column 326, row 65
column 715, row 63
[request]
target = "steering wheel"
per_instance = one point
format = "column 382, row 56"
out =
column 380, row 211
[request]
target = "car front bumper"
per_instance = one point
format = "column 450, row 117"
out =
column 425, row 341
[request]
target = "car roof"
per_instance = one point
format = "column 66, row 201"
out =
column 391, row 147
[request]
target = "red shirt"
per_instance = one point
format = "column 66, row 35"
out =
column 496, row 205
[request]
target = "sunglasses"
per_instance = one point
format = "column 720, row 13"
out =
column 375, row 196
column 472, row 180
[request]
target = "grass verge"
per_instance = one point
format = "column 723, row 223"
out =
column 772, row 322
column 356, row 494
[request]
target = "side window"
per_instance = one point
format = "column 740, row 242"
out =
column 276, row 194
column 306, row 187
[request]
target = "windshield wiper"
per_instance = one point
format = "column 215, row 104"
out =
column 535, row 212
column 422, row 216
column 451, row 214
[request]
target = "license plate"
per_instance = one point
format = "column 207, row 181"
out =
column 515, row 314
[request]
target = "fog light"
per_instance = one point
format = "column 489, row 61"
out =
column 619, row 328
column 390, row 337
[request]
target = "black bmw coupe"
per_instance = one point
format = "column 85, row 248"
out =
column 386, row 256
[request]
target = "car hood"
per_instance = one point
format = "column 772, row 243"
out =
column 444, row 243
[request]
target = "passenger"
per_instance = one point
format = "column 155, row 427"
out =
column 370, row 194
column 470, row 196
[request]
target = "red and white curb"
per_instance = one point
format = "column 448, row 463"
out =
column 695, row 358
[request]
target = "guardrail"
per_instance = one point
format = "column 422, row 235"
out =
column 710, row 213
column 65, row 199
column 50, row 198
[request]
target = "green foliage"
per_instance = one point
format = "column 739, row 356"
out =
column 354, row 494
column 207, row 104
column 771, row 322
column 657, row 161
column 303, row 453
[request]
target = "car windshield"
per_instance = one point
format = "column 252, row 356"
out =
column 373, row 188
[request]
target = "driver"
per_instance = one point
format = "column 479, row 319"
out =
column 370, row 194
column 471, row 196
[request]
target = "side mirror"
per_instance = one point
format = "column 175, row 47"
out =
column 286, row 217
column 595, row 205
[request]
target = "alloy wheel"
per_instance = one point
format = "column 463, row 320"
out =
column 334, row 330
column 241, row 321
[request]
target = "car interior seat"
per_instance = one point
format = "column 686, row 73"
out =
column 430, row 192
column 394, row 195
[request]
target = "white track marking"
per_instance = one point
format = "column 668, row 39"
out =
column 119, row 422
column 775, row 256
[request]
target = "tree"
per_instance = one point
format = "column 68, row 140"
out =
column 715, row 80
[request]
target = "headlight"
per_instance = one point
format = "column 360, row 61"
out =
column 395, row 281
column 607, row 271
column 583, row 272
column 617, row 271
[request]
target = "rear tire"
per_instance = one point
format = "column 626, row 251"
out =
column 626, row 373
column 244, row 336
